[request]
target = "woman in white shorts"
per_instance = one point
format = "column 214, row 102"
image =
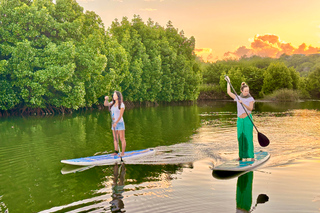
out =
column 116, row 106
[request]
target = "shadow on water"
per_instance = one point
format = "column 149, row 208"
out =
column 225, row 175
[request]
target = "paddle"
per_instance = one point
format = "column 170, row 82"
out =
column 263, row 140
column 262, row 198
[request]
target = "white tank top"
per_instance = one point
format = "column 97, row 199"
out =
column 115, row 113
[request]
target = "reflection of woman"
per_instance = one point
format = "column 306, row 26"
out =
column 244, row 192
column 117, row 189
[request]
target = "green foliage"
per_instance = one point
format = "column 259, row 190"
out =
column 249, row 70
column 277, row 76
column 304, row 64
column 313, row 83
column 56, row 55
column 265, row 75
column 161, row 61
column 213, row 71
column 8, row 97
column 253, row 77
column 284, row 95
column 236, row 78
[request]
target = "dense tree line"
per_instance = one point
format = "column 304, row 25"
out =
column 267, row 75
column 56, row 56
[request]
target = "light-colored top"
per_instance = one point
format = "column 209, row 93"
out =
column 115, row 112
column 246, row 101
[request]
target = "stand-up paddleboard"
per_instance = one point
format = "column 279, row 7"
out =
column 243, row 166
column 109, row 158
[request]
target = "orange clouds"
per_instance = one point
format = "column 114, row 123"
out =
column 271, row 46
column 205, row 54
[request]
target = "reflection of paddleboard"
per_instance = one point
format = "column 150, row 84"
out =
column 241, row 166
column 108, row 159
column 225, row 175
column 67, row 169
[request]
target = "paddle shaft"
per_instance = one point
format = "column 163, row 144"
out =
column 241, row 103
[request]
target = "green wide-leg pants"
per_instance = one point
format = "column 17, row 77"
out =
column 245, row 137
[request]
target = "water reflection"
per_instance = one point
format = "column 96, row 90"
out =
column 31, row 150
column 244, row 190
column 119, row 173
column 244, row 194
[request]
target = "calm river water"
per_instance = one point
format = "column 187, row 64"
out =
column 189, row 141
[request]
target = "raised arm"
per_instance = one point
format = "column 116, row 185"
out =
column 106, row 103
column 233, row 96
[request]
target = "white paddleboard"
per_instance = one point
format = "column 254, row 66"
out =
column 108, row 159
column 241, row 166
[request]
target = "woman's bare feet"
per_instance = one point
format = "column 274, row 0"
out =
column 116, row 152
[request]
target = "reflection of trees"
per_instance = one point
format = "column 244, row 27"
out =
column 118, row 188
column 3, row 207
column 32, row 147
column 164, row 125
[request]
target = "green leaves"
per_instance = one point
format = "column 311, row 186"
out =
column 160, row 62
column 313, row 83
column 278, row 76
column 55, row 55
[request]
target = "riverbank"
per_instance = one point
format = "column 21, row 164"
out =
column 203, row 98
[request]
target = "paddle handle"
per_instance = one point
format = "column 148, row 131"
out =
column 241, row 103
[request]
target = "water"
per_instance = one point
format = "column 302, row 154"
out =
column 189, row 141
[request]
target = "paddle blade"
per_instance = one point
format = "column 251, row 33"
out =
column 263, row 140
column 262, row 198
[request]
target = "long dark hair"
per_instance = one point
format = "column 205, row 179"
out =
column 120, row 100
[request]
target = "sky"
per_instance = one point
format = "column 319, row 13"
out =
column 228, row 28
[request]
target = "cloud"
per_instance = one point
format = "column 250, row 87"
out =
column 148, row 9
column 205, row 54
column 271, row 46
column 203, row 50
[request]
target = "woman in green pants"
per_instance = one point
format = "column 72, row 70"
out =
column 244, row 125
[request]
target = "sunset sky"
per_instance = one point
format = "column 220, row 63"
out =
column 228, row 28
